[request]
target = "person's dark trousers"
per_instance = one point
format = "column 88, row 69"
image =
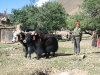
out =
column 77, row 45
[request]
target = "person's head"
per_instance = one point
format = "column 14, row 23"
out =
column 77, row 24
column 94, row 32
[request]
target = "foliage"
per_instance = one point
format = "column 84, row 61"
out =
column 50, row 16
column 72, row 19
column 25, row 16
column 91, row 9
column 53, row 16
column 88, row 17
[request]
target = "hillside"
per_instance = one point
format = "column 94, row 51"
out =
column 71, row 6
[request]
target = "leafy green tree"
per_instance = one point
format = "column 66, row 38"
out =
column 74, row 18
column 89, row 17
column 25, row 16
column 91, row 9
column 52, row 16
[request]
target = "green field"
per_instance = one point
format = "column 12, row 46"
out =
column 12, row 62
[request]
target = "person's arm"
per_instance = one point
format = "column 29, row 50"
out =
column 97, row 36
column 92, row 36
column 80, row 32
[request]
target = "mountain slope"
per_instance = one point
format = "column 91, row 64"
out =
column 71, row 6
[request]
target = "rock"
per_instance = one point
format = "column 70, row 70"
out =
column 11, row 48
column 65, row 73
column 82, row 56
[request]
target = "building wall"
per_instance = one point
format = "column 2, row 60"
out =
column 6, row 35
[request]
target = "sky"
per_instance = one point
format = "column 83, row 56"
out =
column 8, row 5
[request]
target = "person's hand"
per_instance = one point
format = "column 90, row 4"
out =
column 72, row 35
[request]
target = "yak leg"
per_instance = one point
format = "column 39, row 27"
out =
column 29, row 52
column 53, row 54
column 48, row 54
column 26, row 52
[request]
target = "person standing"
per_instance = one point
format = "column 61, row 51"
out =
column 98, row 42
column 94, row 39
column 77, row 34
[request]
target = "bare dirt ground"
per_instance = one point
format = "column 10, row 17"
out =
column 12, row 61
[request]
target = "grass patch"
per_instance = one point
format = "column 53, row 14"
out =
column 12, row 62
column 63, row 40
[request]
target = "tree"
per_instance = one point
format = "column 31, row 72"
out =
column 25, row 16
column 73, row 19
column 91, row 9
column 88, row 17
column 52, row 16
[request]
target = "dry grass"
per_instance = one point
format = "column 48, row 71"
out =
column 12, row 62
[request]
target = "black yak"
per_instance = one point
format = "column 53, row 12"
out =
column 34, row 44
